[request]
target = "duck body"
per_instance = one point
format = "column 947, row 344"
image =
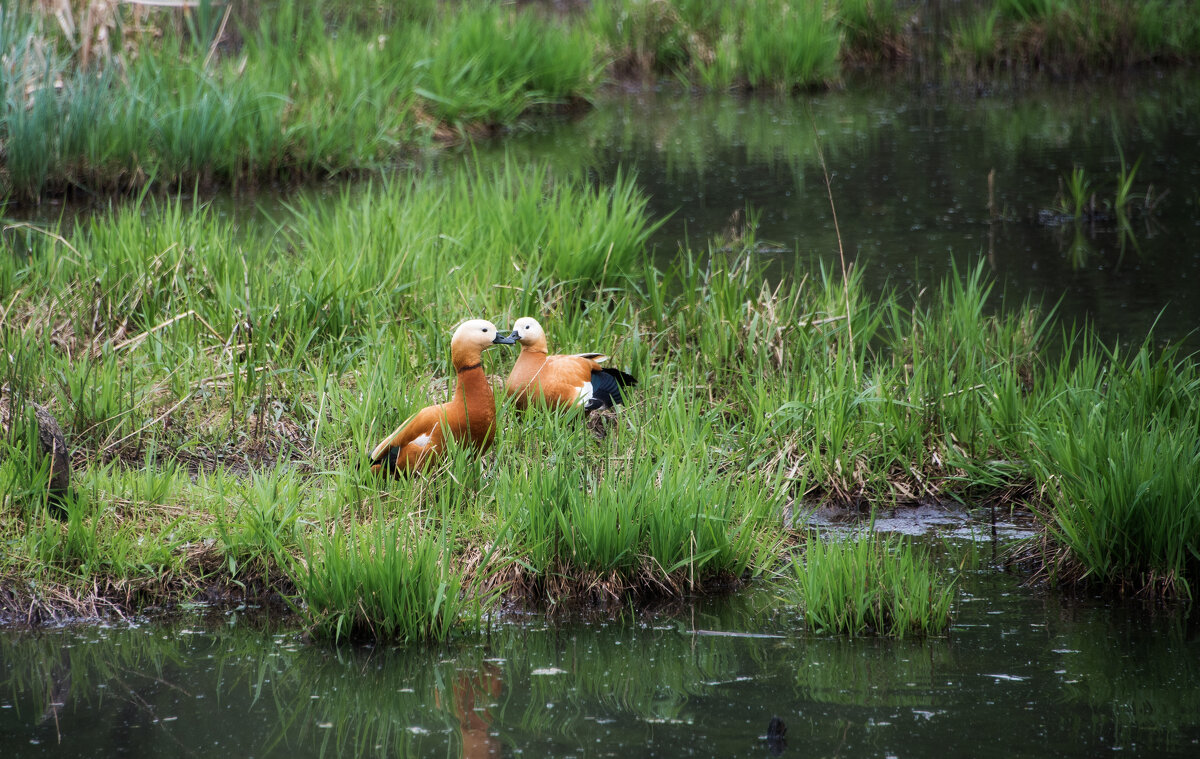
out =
column 469, row 416
column 561, row 381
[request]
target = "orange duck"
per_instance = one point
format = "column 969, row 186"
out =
column 469, row 416
column 563, row 381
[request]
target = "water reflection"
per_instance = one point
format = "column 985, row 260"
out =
column 926, row 179
column 1021, row 669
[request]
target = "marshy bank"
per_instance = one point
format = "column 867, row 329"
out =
column 221, row 386
column 116, row 98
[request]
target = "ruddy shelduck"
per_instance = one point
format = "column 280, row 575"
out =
column 563, row 380
column 469, row 417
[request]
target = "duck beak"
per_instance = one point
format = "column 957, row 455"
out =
column 512, row 338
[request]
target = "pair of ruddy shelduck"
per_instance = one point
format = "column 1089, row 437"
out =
column 561, row 381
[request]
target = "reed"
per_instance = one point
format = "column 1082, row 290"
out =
column 871, row 584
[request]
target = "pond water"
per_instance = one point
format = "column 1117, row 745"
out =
column 909, row 172
column 1021, row 672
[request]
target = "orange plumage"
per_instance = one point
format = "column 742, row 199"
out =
column 560, row 380
column 469, row 416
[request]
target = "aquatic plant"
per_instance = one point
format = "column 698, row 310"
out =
column 1126, row 175
column 1117, row 514
column 871, row 584
column 1078, row 195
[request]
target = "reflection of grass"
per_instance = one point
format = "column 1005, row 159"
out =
column 1142, row 690
column 857, row 672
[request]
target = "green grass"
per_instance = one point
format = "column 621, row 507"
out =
column 645, row 516
column 295, row 99
column 294, row 92
column 1119, row 457
column 874, row 29
column 871, row 584
column 1073, row 37
column 390, row 583
column 220, row 385
column 775, row 44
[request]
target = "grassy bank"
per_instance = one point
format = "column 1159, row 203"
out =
column 220, row 387
column 121, row 97
column 275, row 95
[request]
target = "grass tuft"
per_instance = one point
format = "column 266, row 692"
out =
column 871, row 584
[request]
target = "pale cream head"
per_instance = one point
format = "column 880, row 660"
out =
column 474, row 333
column 529, row 333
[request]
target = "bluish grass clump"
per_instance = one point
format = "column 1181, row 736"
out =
column 871, row 584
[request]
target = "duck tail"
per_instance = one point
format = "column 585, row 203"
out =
column 606, row 388
column 385, row 463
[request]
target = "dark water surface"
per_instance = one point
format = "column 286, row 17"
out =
column 909, row 172
column 1021, row 674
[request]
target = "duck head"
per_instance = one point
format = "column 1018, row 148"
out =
column 529, row 334
column 472, row 338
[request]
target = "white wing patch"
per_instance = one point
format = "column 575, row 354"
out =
column 585, row 394
column 420, row 441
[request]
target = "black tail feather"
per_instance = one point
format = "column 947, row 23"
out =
column 386, row 463
column 606, row 388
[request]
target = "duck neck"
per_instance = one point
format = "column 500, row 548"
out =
column 472, row 385
column 530, row 359
column 537, row 349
